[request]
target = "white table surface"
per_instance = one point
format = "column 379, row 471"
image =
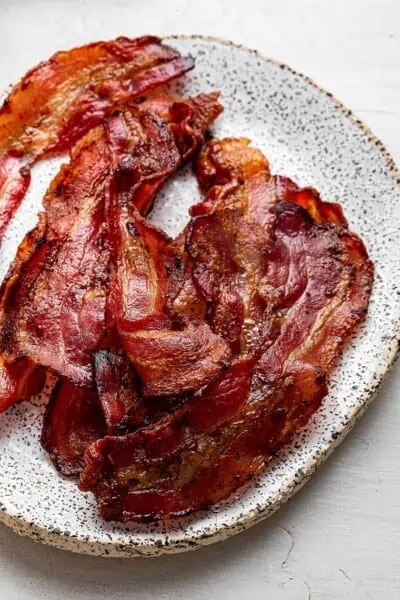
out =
column 339, row 538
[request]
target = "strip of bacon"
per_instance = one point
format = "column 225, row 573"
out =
column 227, row 238
column 315, row 286
column 118, row 387
column 19, row 378
column 61, row 99
column 59, row 321
column 73, row 420
column 171, row 358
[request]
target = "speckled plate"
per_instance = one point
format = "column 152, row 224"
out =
column 309, row 136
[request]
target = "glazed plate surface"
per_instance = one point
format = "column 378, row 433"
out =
column 309, row 136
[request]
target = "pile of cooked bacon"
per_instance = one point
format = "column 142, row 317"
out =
column 183, row 365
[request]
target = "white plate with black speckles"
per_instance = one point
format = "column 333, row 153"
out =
column 310, row 137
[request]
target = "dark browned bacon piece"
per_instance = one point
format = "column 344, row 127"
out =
column 19, row 378
column 170, row 357
column 118, row 389
column 73, row 420
column 314, row 287
column 58, row 101
column 58, row 318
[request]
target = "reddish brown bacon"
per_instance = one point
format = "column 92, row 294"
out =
column 19, row 378
column 227, row 239
column 62, row 98
column 322, row 212
column 58, row 318
column 170, row 357
column 73, row 420
column 313, row 283
column 118, row 388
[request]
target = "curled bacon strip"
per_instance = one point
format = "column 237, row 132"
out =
column 227, row 238
column 314, row 287
column 309, row 198
column 73, row 420
column 118, row 388
column 61, row 99
column 59, row 318
column 137, row 302
column 171, row 358
column 19, row 378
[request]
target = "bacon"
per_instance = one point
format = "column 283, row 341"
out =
column 77, row 417
column 189, row 118
column 322, row 212
column 60, row 318
column 159, row 151
column 138, row 297
column 118, row 387
column 227, row 238
column 171, row 358
column 147, row 450
column 314, row 286
column 19, row 378
column 73, row 421
column 119, row 392
column 61, row 99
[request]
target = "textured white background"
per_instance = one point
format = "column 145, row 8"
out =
column 339, row 538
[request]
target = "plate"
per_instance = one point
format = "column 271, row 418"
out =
column 311, row 137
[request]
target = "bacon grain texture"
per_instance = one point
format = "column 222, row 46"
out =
column 183, row 365
column 58, row 101
column 59, row 317
column 311, row 280
column 73, row 421
column 170, row 357
column 60, row 320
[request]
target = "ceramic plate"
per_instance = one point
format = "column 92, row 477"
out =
column 312, row 138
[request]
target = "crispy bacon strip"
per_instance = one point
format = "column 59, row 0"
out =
column 119, row 392
column 118, row 387
column 59, row 319
column 19, row 378
column 315, row 286
column 171, row 358
column 137, row 300
column 73, row 421
column 227, row 238
column 62, row 98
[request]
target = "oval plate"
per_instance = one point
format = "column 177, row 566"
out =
column 310, row 137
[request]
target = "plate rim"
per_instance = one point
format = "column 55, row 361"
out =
column 81, row 545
